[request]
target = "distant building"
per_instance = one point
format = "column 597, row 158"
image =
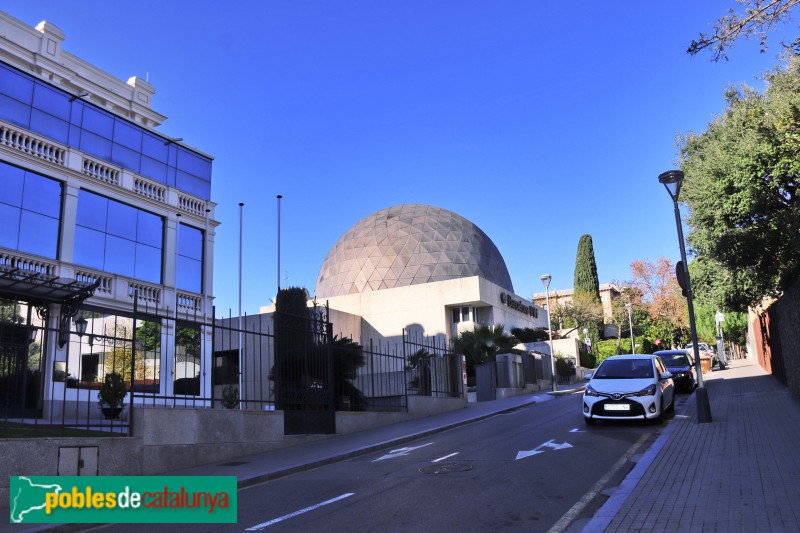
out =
column 419, row 269
column 609, row 293
column 105, row 221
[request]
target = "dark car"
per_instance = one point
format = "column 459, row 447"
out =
column 681, row 366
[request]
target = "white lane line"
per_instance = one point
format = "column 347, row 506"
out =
column 445, row 457
column 573, row 513
column 263, row 525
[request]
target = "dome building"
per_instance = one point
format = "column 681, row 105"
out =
column 419, row 269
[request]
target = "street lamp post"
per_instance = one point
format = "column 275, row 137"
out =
column 546, row 282
column 672, row 181
column 628, row 306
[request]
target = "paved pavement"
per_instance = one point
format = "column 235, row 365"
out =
column 739, row 473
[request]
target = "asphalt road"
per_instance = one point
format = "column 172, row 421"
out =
column 538, row 468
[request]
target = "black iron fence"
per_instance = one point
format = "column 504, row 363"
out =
column 182, row 361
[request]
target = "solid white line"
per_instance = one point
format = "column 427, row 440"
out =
column 573, row 513
column 301, row 511
column 445, row 457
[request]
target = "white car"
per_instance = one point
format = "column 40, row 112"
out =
column 628, row 387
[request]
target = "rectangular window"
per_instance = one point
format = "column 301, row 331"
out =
column 118, row 238
column 187, row 360
column 30, row 211
column 190, row 259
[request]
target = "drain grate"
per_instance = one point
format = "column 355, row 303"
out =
column 234, row 463
column 445, row 468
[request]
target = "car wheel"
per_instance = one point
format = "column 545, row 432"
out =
column 589, row 421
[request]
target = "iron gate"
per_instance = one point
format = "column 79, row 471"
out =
column 303, row 373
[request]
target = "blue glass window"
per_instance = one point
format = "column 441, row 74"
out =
column 92, row 211
column 51, row 101
column 38, row 234
column 120, row 256
column 90, row 247
column 149, row 229
column 12, row 179
column 194, row 164
column 16, row 85
column 127, row 135
column 9, row 229
column 36, row 105
column 154, row 170
column 30, row 207
column 124, row 157
column 118, row 238
column 121, row 220
column 148, row 262
column 14, row 112
column 48, row 125
column 98, row 122
column 190, row 259
column 41, row 195
column 154, row 147
column 193, row 185
column 96, row 145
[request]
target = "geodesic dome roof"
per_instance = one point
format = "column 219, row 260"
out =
column 409, row 244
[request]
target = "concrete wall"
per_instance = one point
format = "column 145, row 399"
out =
column 184, row 438
column 111, row 456
column 787, row 314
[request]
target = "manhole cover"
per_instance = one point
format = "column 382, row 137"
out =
column 445, row 468
column 234, row 463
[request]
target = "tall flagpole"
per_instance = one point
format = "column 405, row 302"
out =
column 279, row 242
column 241, row 394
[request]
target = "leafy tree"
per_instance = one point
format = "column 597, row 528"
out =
column 530, row 334
column 757, row 20
column 661, row 296
column 741, row 187
column 483, row 343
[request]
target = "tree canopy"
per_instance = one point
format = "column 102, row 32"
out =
column 741, row 186
column 757, row 20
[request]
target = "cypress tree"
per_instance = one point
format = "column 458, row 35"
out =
column 586, row 281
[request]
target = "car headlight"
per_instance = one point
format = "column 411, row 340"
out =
column 647, row 391
column 589, row 391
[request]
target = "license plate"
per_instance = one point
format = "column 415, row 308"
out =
column 617, row 407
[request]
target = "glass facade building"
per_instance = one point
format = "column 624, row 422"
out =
column 105, row 222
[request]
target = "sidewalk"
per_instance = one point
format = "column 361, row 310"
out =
column 739, row 473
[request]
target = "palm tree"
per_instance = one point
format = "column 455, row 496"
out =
column 483, row 343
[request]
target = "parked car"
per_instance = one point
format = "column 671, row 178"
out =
column 680, row 364
column 705, row 351
column 629, row 387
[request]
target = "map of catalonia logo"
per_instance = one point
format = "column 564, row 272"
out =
column 122, row 499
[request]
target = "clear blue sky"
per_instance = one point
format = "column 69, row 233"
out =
column 537, row 122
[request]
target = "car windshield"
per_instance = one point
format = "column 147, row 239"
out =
column 624, row 369
column 675, row 360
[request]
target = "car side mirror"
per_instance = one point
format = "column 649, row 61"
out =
column 666, row 375
column 587, row 377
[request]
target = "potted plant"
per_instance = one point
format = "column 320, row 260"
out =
column 111, row 396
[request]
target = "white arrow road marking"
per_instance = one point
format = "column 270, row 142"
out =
column 445, row 457
column 548, row 444
column 523, row 455
column 400, row 452
column 576, row 430
column 262, row 525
